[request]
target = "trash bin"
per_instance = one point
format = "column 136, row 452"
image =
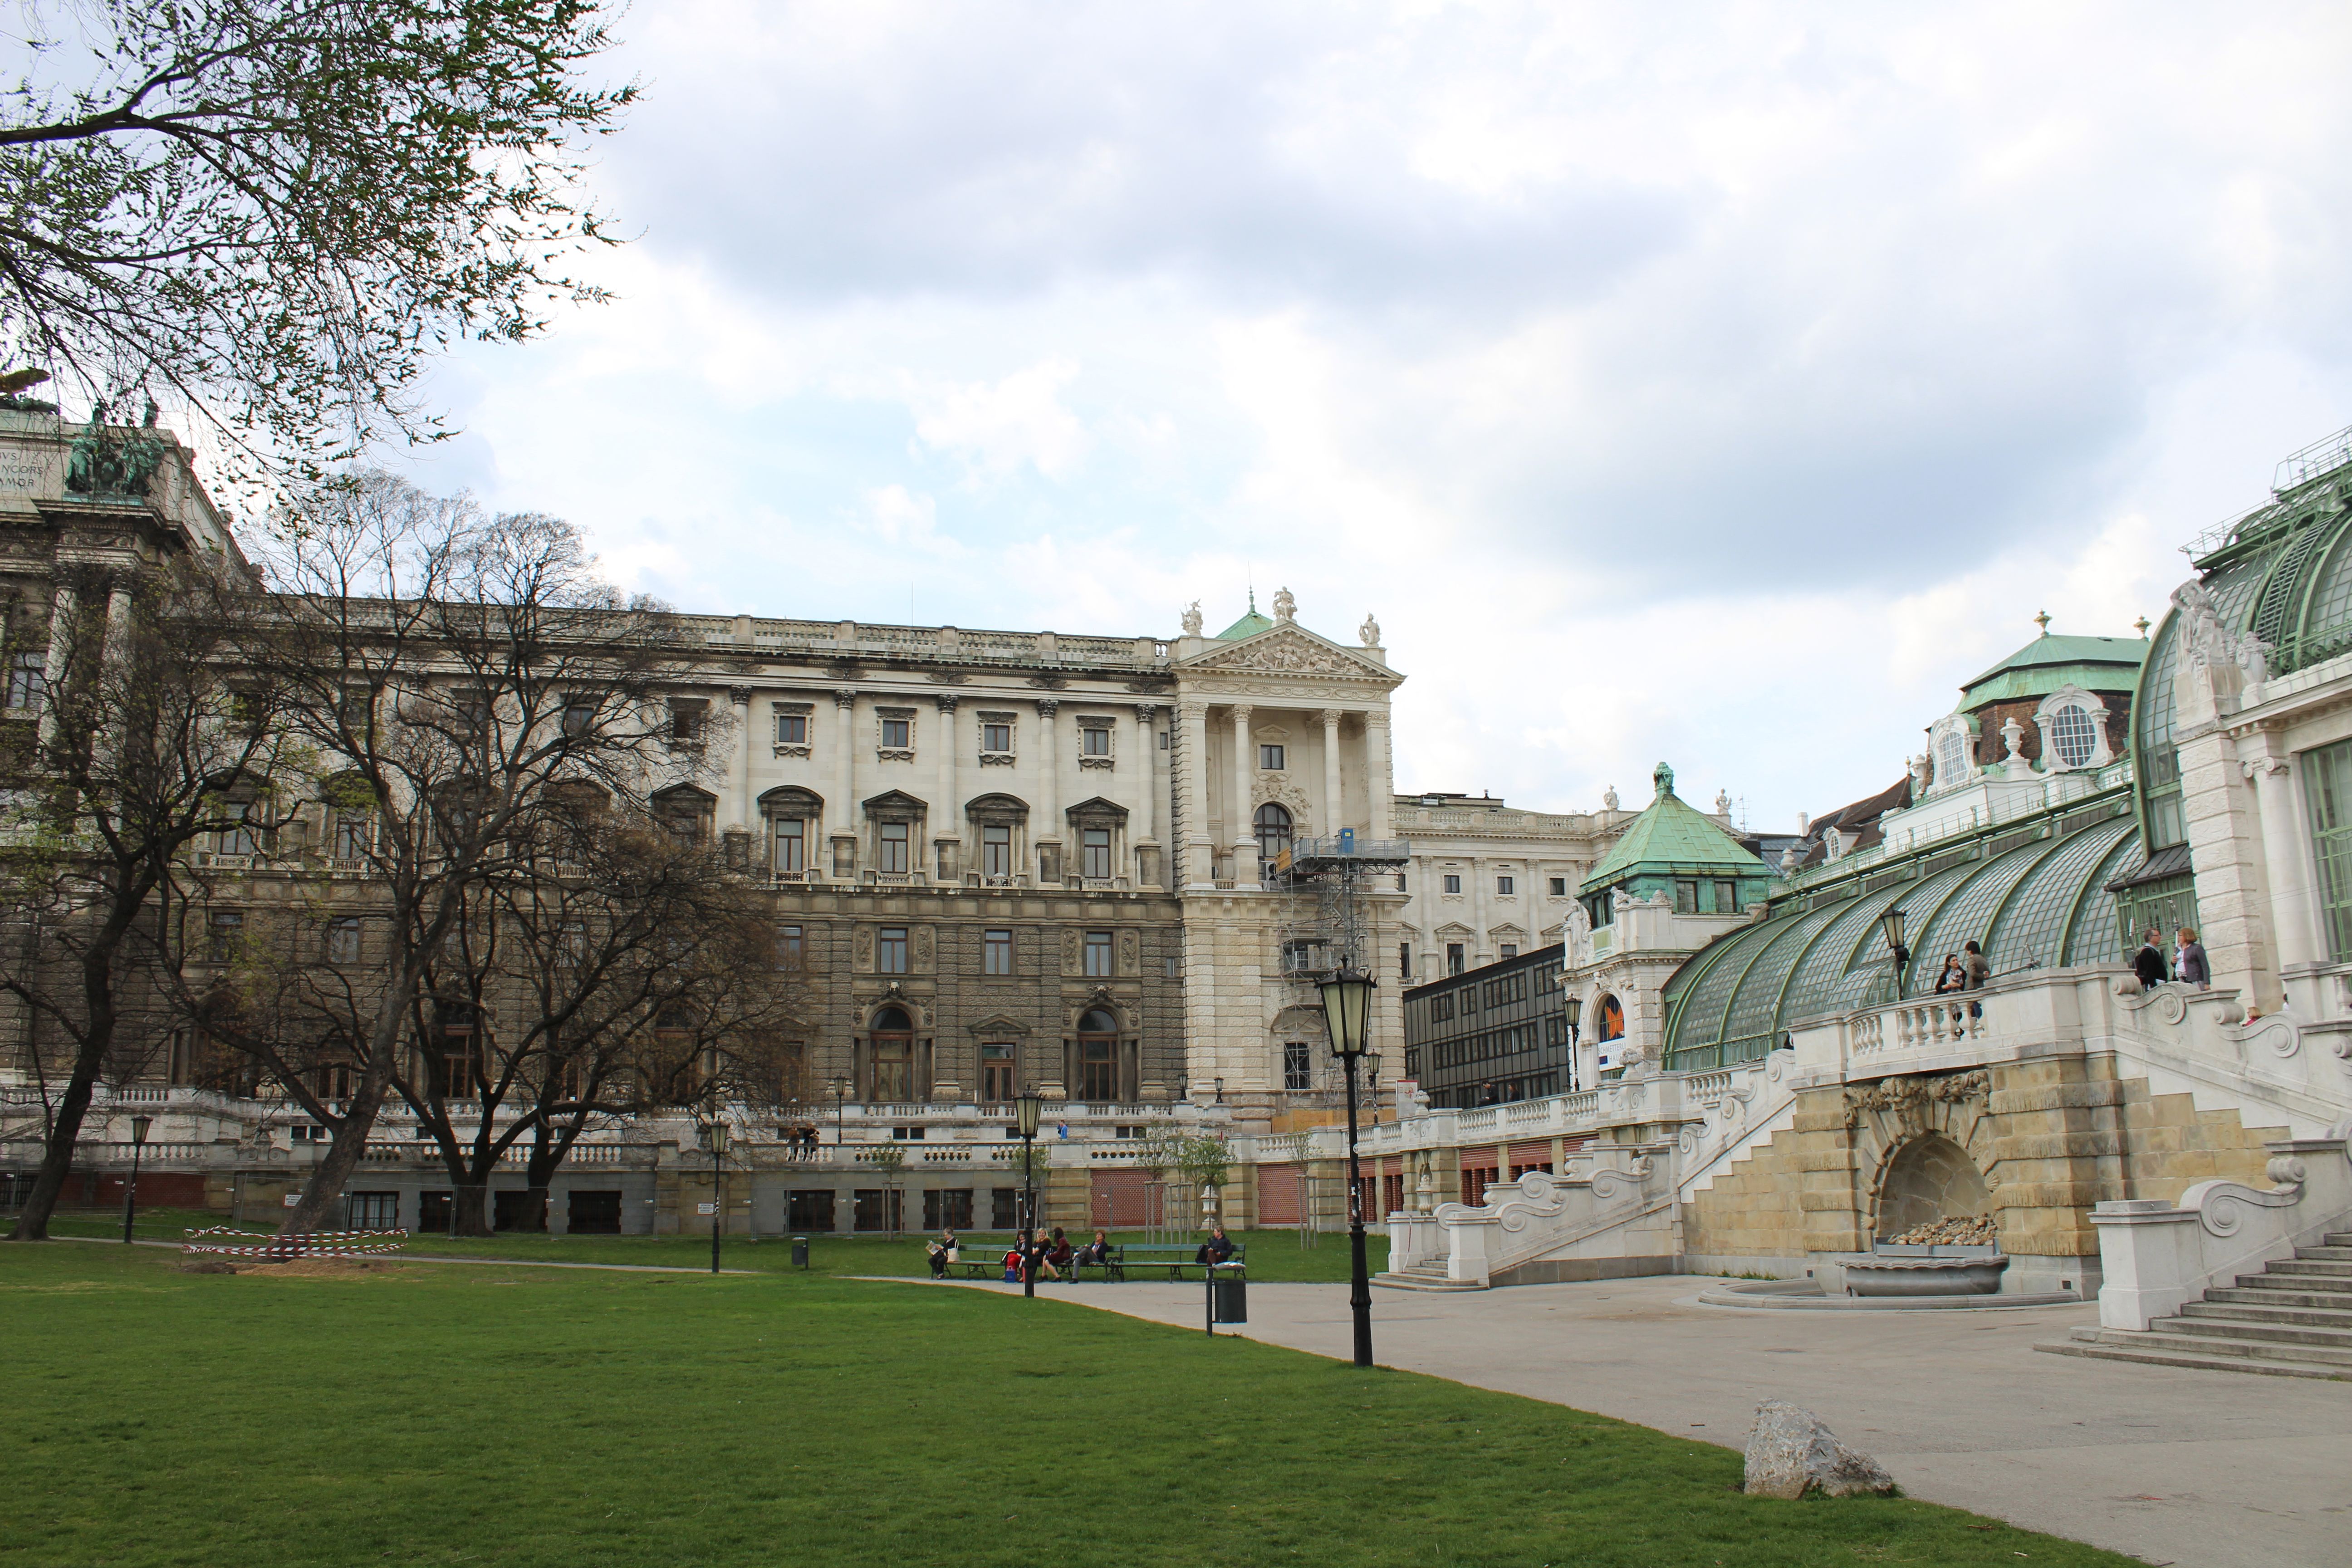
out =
column 1229, row 1293
column 800, row 1252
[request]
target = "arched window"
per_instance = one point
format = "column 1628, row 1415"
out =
column 1273, row 830
column 1099, row 1056
column 1951, row 758
column 1612, row 1019
column 892, row 1071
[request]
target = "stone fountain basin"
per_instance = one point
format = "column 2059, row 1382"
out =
column 1895, row 1270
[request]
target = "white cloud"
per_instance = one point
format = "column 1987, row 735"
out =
column 1723, row 387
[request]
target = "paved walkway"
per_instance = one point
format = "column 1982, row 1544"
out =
column 2206, row 1470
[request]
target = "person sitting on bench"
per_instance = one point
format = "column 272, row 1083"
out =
column 1218, row 1248
column 942, row 1252
column 1098, row 1250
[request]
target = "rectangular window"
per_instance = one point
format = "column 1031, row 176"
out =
column 2327, row 783
column 1097, row 1068
column 1098, row 952
column 792, row 845
column 791, row 729
column 996, row 952
column 343, row 940
column 891, row 859
column 996, row 851
column 1506, row 885
column 27, row 679
column 1452, row 883
column 996, row 1081
column 947, row 1209
column 1453, row 964
column 894, row 732
column 1095, row 846
column 1005, row 1208
column 684, row 724
column 808, row 1209
column 222, row 929
column 1269, row 759
column 879, row 1208
column 1297, row 1074
column 1686, row 898
column 996, row 739
column 354, row 835
column 1404, row 961
column 2164, row 828
column 372, row 1211
column 791, row 947
column 1727, row 898
column 1509, row 949
column 1560, row 887
column 890, row 951
column 243, row 836
column 1094, row 741
column 579, row 718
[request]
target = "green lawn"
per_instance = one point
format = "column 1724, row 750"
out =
column 445, row 1415
column 1275, row 1255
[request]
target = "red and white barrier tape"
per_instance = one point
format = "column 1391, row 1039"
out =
column 285, row 1249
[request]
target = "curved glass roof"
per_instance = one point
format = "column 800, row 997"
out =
column 2040, row 905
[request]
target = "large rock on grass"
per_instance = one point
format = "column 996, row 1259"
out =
column 1791, row 1453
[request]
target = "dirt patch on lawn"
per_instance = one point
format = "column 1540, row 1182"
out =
column 320, row 1268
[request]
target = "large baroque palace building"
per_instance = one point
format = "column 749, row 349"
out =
column 1007, row 860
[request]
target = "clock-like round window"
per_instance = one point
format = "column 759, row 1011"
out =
column 2073, row 736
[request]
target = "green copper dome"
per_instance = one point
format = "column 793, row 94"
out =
column 1670, row 837
column 1249, row 626
column 2047, row 663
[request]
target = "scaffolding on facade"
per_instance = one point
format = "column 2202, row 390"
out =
column 1327, row 924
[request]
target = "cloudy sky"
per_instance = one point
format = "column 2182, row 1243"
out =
column 1721, row 384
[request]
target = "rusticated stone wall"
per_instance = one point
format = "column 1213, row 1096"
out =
column 2047, row 1138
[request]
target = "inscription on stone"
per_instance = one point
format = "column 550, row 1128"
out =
column 24, row 471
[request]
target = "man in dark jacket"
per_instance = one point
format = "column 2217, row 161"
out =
column 1218, row 1248
column 2148, row 964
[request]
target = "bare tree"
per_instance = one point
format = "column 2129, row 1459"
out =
column 146, row 745
column 277, row 211
column 454, row 674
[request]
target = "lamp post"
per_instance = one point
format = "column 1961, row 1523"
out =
column 1347, row 1008
column 718, row 1192
column 1575, row 1009
column 139, row 1125
column 1891, row 926
column 840, row 1089
column 1027, row 1107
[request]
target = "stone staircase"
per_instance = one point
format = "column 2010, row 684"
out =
column 1426, row 1275
column 2292, row 1320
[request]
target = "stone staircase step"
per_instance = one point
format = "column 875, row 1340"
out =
column 2251, row 1329
column 1415, row 1279
column 2261, row 1291
column 2331, row 1252
column 2286, row 1280
column 2207, row 1345
column 2151, row 1354
column 2313, row 1317
column 2303, row 1263
column 2337, row 1238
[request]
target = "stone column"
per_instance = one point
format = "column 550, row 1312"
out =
column 841, row 817
column 1379, row 787
column 947, row 816
column 1145, row 831
column 1200, row 850
column 1048, row 816
column 1333, row 817
column 1478, row 951
column 63, row 608
column 2286, row 860
column 1240, row 829
column 735, row 812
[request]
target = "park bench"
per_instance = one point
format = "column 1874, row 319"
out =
column 1175, row 1259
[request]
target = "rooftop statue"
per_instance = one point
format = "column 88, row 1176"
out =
column 1285, row 608
column 1609, row 798
column 1664, row 777
column 1370, row 631
column 102, row 464
column 1193, row 620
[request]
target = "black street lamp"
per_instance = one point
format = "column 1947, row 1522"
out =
column 1347, row 1009
column 1027, row 1107
column 718, row 1191
column 1891, row 925
column 840, row 1087
column 139, row 1125
column 1575, row 1008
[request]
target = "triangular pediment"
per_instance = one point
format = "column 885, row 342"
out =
column 999, row 1027
column 1289, row 648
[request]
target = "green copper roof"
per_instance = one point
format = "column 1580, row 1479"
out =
column 1670, row 835
column 1249, row 626
column 2047, row 663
